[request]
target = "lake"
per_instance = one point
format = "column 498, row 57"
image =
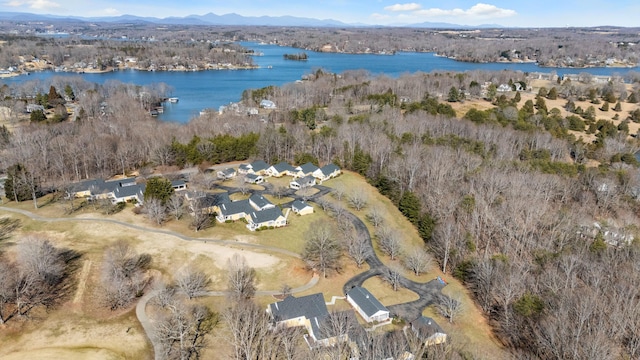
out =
column 211, row 89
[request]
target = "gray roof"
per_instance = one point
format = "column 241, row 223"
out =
column 309, row 306
column 265, row 215
column 100, row 186
column 243, row 167
column 126, row 191
column 307, row 168
column 260, row 201
column 366, row 301
column 329, row 169
column 235, row 207
column 228, row 171
column 252, row 177
column 259, row 165
column 283, row 166
column 299, row 205
column 308, row 180
column 426, row 326
column 176, row 183
column 216, row 199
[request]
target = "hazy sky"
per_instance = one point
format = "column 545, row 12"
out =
column 524, row 13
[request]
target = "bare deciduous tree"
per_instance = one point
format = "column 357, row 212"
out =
column 192, row 282
column 357, row 199
column 123, row 274
column 389, row 242
column 248, row 329
column 322, row 250
column 155, row 210
column 393, row 275
column 200, row 218
column 418, row 261
column 241, row 278
column 449, row 306
column 375, row 216
column 181, row 331
column 358, row 248
column 175, row 206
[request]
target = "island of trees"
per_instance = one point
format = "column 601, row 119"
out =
column 302, row 56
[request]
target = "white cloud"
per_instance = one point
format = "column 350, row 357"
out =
column 480, row 10
column 403, row 7
column 33, row 4
column 43, row 4
column 110, row 11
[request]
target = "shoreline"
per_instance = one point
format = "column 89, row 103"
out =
column 96, row 71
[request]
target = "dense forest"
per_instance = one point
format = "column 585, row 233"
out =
column 538, row 223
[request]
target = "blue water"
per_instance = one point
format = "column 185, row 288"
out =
column 210, row 89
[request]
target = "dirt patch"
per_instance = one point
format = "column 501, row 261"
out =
column 82, row 281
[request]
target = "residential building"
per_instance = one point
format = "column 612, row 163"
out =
column 281, row 169
column 428, row 330
column 367, row 305
column 226, row 174
column 271, row 217
column 179, row 185
column 297, row 311
column 259, row 202
column 303, row 182
column 253, row 179
column 234, row 210
column 326, row 172
column 257, row 167
column 305, row 170
column 301, row 208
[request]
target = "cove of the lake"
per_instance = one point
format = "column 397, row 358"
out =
column 211, row 89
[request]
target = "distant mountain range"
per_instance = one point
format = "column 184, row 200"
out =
column 227, row 19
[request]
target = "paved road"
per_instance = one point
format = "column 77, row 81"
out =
column 142, row 303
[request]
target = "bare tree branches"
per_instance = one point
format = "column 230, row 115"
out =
column 192, row 282
column 358, row 248
column 393, row 275
column 155, row 210
column 322, row 250
column 123, row 274
column 418, row 261
column 241, row 278
column 389, row 242
column 357, row 199
column 449, row 307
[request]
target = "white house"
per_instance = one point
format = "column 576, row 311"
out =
column 271, row 217
column 259, row 202
column 257, row 167
column 301, row 208
column 227, row 174
column 367, row 305
column 281, row 169
column 267, row 104
column 253, row 179
column 305, row 170
column 302, row 183
column 326, row 172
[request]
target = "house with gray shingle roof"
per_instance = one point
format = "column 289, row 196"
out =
column 428, row 330
column 303, row 182
column 297, row 311
column 305, row 170
column 253, row 179
column 281, row 169
column 327, row 172
column 128, row 193
column 99, row 188
column 260, row 203
column 367, row 305
column 257, row 167
column 227, row 173
column 271, row 217
column 234, row 210
column 301, row 207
